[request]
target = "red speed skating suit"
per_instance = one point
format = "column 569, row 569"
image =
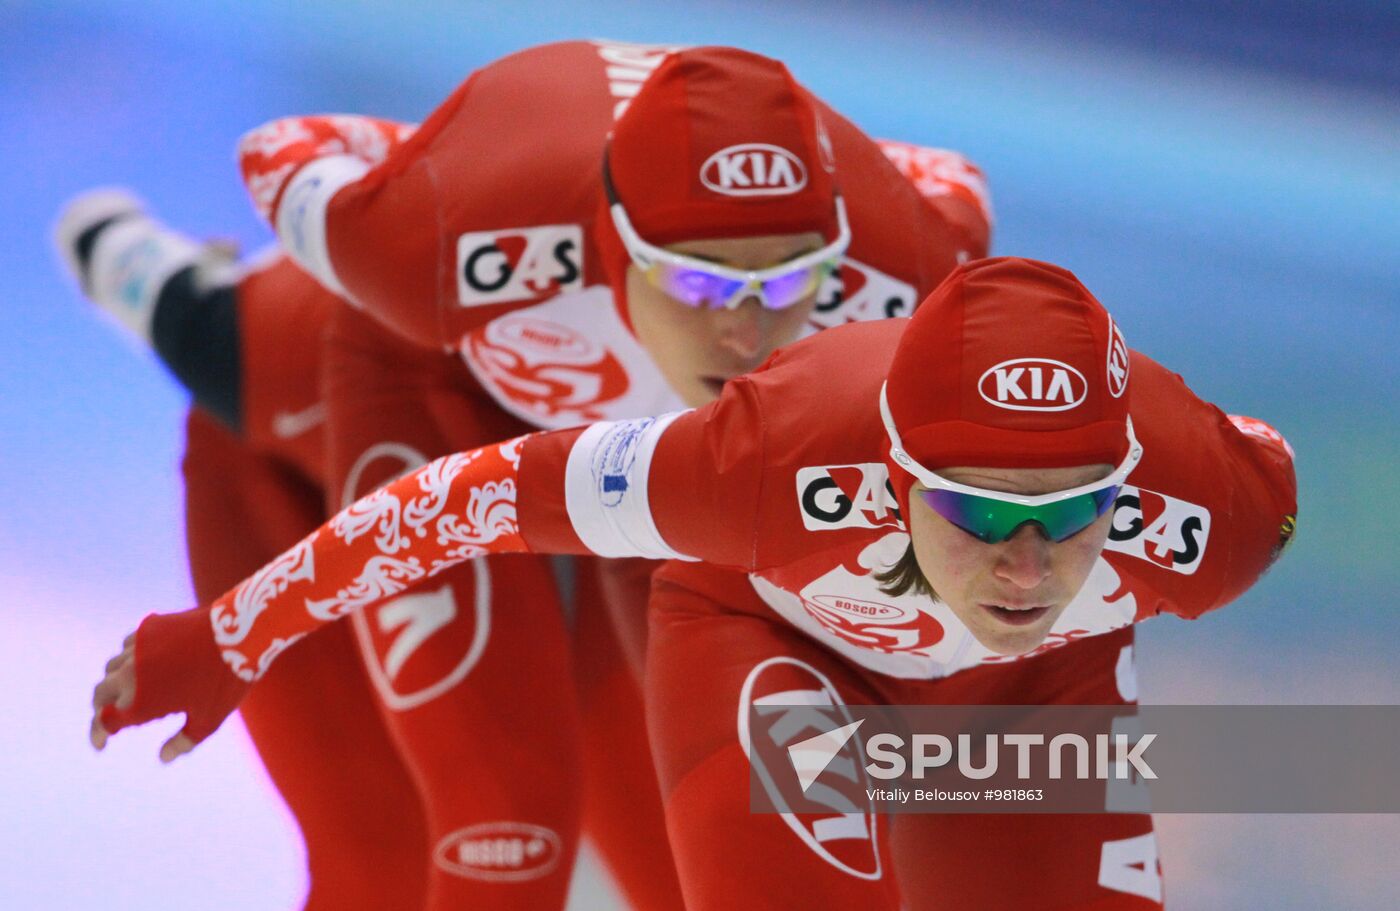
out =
column 247, row 496
column 474, row 667
column 789, row 603
column 315, row 729
column 479, row 232
column 358, row 787
column 474, row 239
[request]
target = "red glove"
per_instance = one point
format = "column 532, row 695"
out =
column 178, row 669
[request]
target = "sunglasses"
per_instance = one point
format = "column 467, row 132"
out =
column 700, row 283
column 993, row 516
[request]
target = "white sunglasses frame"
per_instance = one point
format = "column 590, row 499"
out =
column 934, row 481
column 645, row 255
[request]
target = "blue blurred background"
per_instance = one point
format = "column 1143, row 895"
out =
column 1225, row 177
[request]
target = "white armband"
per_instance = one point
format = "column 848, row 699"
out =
column 301, row 216
column 605, row 489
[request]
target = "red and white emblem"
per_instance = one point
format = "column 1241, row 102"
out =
column 785, row 701
column 420, row 645
column 544, row 368
column 500, row 852
column 754, row 169
column 879, row 626
column 521, row 264
column 1033, row 384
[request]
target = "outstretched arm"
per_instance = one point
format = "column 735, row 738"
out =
column 1211, row 506
column 952, row 184
column 330, row 187
column 585, row 491
column 202, row 661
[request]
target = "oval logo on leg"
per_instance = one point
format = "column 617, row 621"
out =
column 424, row 642
column 797, row 734
column 500, row 852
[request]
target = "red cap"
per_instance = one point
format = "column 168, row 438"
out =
column 720, row 142
column 1010, row 363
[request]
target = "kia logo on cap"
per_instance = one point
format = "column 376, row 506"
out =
column 1033, row 384
column 754, row 169
column 1117, row 361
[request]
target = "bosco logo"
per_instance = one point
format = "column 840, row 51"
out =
column 858, row 609
column 1033, row 384
column 524, row 264
column 847, row 496
column 754, row 169
column 551, row 341
column 874, row 625
column 500, row 852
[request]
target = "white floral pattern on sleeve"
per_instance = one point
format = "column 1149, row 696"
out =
column 270, row 154
column 451, row 510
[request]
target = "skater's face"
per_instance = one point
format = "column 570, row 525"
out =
column 697, row 348
column 1009, row 594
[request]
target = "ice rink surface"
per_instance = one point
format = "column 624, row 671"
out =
column 1228, row 188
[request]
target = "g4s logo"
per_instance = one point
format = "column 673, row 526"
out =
column 847, row 496
column 526, row 264
column 1163, row 530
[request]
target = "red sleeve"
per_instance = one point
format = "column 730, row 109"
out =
column 462, row 506
column 584, row 491
column 453, row 509
column 953, row 185
column 271, row 154
column 588, row 490
column 321, row 183
column 1210, row 507
column 706, row 483
column 544, row 510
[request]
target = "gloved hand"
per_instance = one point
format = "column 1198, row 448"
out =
column 169, row 665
